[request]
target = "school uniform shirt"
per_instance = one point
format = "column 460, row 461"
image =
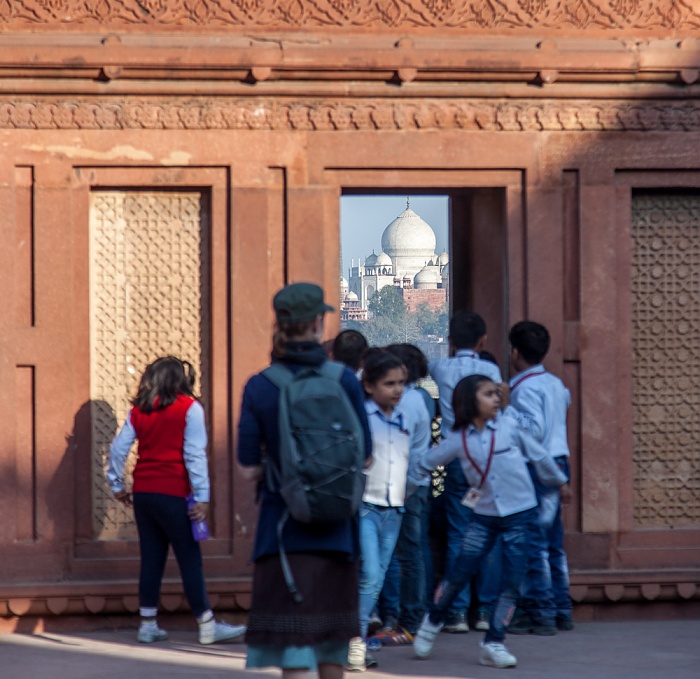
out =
column 507, row 487
column 164, row 475
column 392, row 437
column 413, row 403
column 539, row 401
column 447, row 372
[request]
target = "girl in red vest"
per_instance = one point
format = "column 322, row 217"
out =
column 168, row 423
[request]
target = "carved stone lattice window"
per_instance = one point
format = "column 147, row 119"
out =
column 149, row 297
column 666, row 359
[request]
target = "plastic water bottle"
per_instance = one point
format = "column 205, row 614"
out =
column 200, row 530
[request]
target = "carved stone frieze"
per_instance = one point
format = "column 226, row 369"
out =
column 616, row 15
column 343, row 115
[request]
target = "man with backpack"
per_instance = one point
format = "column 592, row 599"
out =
column 303, row 437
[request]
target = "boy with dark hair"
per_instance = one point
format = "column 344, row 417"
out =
column 349, row 347
column 539, row 402
column 467, row 338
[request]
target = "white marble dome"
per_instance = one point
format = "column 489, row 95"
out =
column 409, row 235
column 383, row 259
column 351, row 297
column 371, row 260
column 427, row 278
column 443, row 258
column 410, row 242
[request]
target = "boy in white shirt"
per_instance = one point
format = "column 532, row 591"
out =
column 539, row 401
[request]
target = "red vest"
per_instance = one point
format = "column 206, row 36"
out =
column 160, row 467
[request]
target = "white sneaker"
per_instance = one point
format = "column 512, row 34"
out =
column 149, row 634
column 357, row 652
column 494, row 654
column 211, row 632
column 425, row 637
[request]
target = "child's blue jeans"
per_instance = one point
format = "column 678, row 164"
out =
column 479, row 537
column 379, row 531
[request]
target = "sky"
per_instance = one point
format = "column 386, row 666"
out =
column 364, row 218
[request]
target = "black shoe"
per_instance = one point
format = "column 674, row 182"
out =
column 521, row 623
column 565, row 624
column 456, row 623
column 544, row 630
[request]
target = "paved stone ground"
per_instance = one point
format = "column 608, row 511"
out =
column 594, row 650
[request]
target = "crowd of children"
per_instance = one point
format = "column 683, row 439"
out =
column 505, row 457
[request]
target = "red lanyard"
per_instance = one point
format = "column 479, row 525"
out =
column 486, row 471
column 517, row 383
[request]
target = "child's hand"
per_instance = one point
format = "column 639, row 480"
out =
column 198, row 511
column 124, row 497
column 504, row 394
column 565, row 494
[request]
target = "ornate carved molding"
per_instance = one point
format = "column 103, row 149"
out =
column 342, row 115
column 580, row 15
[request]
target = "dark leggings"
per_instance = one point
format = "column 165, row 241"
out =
column 162, row 521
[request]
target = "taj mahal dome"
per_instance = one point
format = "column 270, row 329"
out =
column 407, row 261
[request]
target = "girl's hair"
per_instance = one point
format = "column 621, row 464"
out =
column 413, row 358
column 284, row 332
column 162, row 382
column 378, row 362
column 464, row 403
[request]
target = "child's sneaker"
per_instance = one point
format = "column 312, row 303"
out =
column 211, row 632
column 425, row 637
column 394, row 637
column 149, row 634
column 483, row 621
column 375, row 624
column 495, row 654
column 358, row 658
column 564, row 624
column 373, row 644
column 456, row 624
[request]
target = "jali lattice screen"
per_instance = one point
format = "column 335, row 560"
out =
column 666, row 359
column 148, row 298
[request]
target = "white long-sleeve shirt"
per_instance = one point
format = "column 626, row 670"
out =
column 194, row 453
column 507, row 488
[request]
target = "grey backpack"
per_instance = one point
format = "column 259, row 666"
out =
column 320, row 475
column 321, row 454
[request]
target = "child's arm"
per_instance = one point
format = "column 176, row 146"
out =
column 545, row 467
column 446, row 451
column 420, row 442
column 118, row 452
column 528, row 411
column 195, row 452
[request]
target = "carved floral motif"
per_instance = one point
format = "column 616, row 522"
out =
column 639, row 15
column 665, row 400
column 330, row 115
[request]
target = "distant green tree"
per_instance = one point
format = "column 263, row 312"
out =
column 388, row 303
column 432, row 321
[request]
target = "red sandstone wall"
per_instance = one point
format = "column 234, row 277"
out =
column 540, row 123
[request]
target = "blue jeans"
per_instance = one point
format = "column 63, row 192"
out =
column 457, row 518
column 479, row 538
column 403, row 594
column 379, row 531
column 545, row 589
column 488, row 579
column 162, row 521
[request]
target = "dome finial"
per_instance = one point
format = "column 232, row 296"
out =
column 408, row 202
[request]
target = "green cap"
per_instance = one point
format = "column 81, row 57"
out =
column 299, row 303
